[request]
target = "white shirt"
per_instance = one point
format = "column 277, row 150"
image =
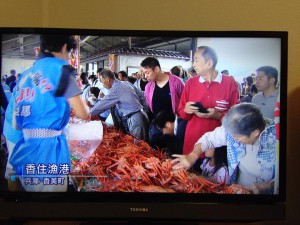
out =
column 248, row 166
column 85, row 92
column 175, row 125
column 213, row 139
column 99, row 85
column 219, row 176
column 218, row 79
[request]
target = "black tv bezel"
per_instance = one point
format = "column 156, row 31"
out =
column 147, row 198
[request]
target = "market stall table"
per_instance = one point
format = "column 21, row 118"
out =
column 122, row 163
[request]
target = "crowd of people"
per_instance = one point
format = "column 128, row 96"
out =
column 196, row 116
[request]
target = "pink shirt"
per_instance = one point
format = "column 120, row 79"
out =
column 176, row 88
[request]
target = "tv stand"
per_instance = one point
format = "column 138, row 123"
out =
column 15, row 221
column 137, row 222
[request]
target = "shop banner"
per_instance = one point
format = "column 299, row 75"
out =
column 112, row 61
column 74, row 55
column 36, row 51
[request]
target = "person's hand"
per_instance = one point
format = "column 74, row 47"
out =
column 260, row 188
column 184, row 161
column 80, row 109
column 89, row 118
column 101, row 95
column 255, row 189
column 212, row 114
column 189, row 108
column 88, row 104
column 72, row 113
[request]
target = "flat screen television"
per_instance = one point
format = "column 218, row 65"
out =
column 239, row 53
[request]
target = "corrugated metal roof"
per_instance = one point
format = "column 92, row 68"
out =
column 149, row 52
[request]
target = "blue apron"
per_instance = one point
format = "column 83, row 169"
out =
column 41, row 116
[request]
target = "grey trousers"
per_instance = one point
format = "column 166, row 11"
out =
column 138, row 125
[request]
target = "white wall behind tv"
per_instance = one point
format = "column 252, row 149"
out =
column 17, row 64
column 242, row 56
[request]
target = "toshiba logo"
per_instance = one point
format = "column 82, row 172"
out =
column 139, row 209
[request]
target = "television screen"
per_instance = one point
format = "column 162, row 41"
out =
column 110, row 116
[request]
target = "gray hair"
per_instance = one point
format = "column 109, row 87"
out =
column 107, row 73
column 243, row 119
column 209, row 53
